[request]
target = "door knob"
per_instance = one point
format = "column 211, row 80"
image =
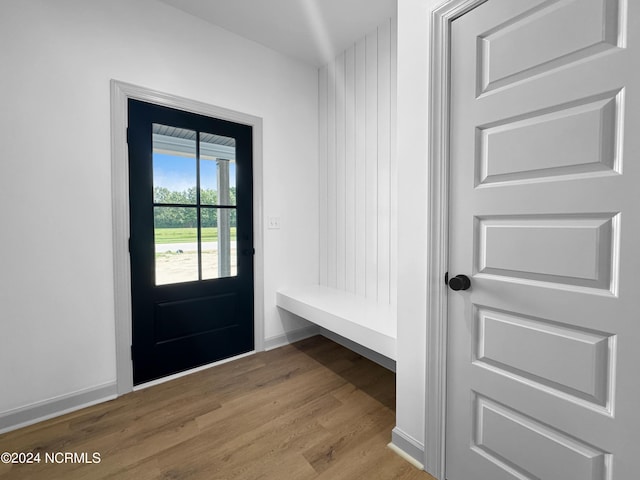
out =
column 459, row 282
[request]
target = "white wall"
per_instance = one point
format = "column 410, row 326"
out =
column 413, row 194
column 373, row 111
column 357, row 115
column 56, row 274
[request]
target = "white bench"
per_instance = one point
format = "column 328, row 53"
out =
column 347, row 315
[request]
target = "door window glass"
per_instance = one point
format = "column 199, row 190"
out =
column 217, row 170
column 176, row 237
column 219, row 247
column 174, row 165
column 193, row 175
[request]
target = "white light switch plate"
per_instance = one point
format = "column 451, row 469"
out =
column 273, row 223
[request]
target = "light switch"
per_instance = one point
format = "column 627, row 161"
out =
column 273, row 223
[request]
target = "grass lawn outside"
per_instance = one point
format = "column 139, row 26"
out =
column 187, row 235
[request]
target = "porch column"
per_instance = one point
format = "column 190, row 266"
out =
column 224, row 233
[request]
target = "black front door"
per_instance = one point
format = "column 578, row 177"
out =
column 191, row 207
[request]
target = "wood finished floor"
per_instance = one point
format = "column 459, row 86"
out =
column 311, row 410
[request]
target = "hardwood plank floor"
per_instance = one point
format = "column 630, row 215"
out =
column 311, row 410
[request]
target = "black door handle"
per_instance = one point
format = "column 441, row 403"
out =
column 459, row 282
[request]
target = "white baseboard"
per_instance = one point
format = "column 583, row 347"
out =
column 405, row 456
column 311, row 330
column 376, row 357
column 409, row 446
column 290, row 337
column 54, row 407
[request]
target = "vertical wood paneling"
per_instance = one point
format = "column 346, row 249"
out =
column 350, row 164
column 360, row 71
column 393, row 271
column 322, row 170
column 340, row 177
column 358, row 171
column 332, row 238
column 371, row 166
column 384, row 162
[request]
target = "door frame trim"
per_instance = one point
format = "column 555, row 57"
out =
column 438, row 231
column 121, row 92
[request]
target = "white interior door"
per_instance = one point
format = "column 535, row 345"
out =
column 544, row 347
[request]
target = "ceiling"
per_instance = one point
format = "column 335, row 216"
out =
column 313, row 31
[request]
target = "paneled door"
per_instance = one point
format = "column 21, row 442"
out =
column 191, row 197
column 544, row 338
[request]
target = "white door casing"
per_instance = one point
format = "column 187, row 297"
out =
column 544, row 217
column 120, row 93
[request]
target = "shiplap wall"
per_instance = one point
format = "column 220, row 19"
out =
column 358, row 210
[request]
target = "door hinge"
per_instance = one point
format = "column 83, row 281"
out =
column 127, row 135
column 129, row 244
column 131, row 352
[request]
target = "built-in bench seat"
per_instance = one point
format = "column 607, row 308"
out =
column 350, row 316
